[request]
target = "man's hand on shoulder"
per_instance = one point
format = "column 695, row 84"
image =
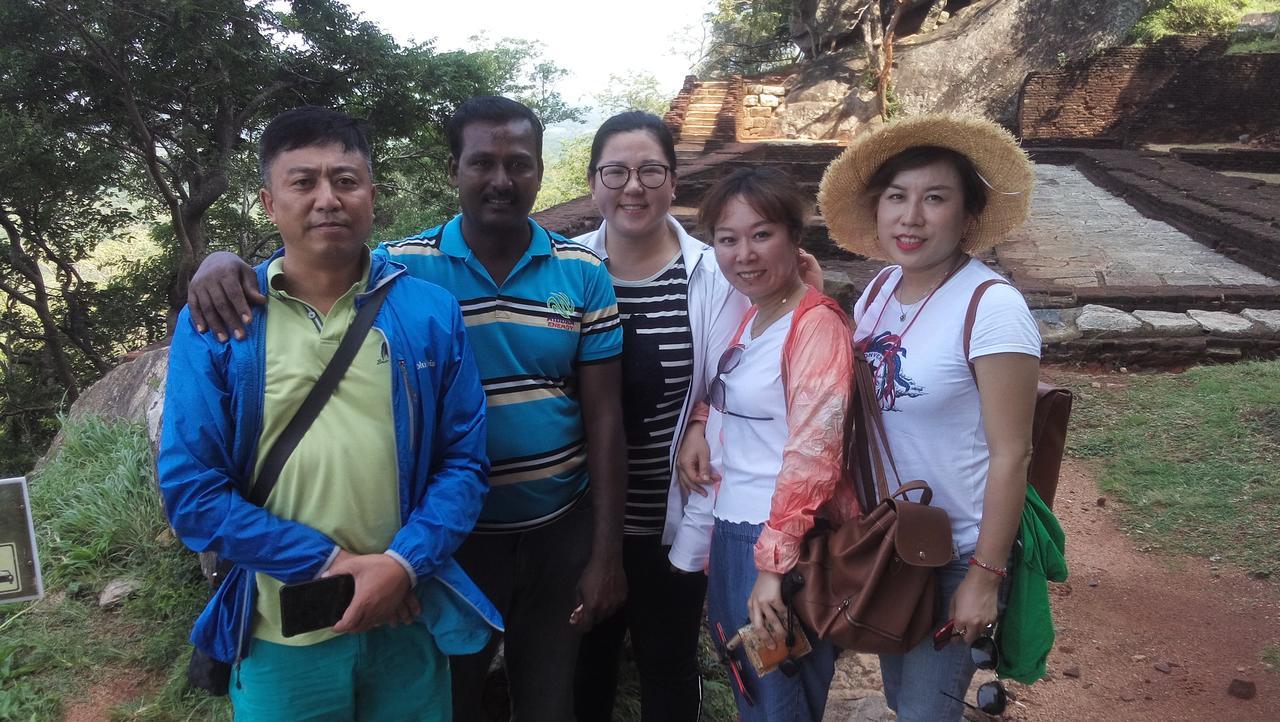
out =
column 220, row 294
column 382, row 591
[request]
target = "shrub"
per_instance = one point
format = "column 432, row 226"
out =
column 1189, row 17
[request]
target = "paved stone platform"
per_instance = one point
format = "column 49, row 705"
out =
column 1081, row 235
column 1132, row 231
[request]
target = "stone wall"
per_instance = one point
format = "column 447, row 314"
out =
column 1179, row 90
column 813, row 103
column 674, row 117
column 762, row 97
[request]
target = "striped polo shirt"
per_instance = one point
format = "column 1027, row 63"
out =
column 556, row 310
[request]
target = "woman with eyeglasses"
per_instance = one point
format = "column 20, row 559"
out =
column 957, row 391
column 772, row 437
column 670, row 298
column 677, row 311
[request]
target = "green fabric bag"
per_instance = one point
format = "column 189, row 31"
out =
column 1025, row 634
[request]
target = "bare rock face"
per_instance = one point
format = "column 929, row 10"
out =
column 978, row 60
column 133, row 391
column 828, row 99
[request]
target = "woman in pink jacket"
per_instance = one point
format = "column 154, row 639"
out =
column 771, row 434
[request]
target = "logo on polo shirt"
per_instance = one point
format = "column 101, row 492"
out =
column 560, row 304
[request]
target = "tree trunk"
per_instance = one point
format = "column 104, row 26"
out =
column 38, row 302
column 886, row 68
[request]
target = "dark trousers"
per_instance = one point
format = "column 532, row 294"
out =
column 663, row 612
column 532, row 578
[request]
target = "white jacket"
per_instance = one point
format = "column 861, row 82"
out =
column 715, row 310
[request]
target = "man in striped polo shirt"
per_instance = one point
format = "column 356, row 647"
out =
column 541, row 315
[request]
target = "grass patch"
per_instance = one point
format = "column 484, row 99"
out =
column 98, row 517
column 1271, row 655
column 1192, row 457
column 717, row 698
column 1256, row 45
column 1196, row 17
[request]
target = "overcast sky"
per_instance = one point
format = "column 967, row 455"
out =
column 590, row 38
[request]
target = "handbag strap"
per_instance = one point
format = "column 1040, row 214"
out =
column 876, row 284
column 318, row 396
column 873, row 440
column 971, row 317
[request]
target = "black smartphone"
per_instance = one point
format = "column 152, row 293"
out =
column 316, row 604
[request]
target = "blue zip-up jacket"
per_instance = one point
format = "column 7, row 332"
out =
column 209, row 442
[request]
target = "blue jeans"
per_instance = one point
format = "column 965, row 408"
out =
column 914, row 682
column 778, row 698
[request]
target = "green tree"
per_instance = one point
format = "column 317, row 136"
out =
column 565, row 177
column 412, row 182
column 518, row 69
column 747, row 37
column 634, row 91
column 116, row 110
column 178, row 87
column 59, row 328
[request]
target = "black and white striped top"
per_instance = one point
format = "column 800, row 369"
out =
column 657, row 366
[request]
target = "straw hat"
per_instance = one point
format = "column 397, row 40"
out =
column 851, row 216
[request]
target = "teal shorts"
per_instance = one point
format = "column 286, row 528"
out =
column 388, row 673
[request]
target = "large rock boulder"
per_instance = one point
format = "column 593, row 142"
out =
column 827, row 99
column 133, row 391
column 978, row 60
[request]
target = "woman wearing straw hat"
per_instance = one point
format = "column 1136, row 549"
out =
column 925, row 193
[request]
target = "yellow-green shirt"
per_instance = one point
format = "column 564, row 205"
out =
column 341, row 479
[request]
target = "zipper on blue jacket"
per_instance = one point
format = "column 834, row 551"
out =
column 408, row 390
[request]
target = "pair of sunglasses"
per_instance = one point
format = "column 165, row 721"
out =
column 735, row 667
column 729, row 361
column 992, row 698
column 984, row 652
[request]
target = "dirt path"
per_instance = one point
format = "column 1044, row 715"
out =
column 1125, row 615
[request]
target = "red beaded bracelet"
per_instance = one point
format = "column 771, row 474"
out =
column 998, row 571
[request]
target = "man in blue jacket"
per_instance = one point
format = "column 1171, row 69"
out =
column 542, row 314
column 385, row 485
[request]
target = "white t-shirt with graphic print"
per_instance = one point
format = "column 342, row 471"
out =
column 927, row 395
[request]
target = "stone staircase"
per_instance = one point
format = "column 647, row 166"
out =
column 702, row 128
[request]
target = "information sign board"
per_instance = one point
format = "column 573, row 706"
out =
column 19, row 563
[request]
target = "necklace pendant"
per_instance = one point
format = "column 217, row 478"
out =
column 902, row 317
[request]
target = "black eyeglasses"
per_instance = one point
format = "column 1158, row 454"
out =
column 729, row 361
column 735, row 667
column 651, row 175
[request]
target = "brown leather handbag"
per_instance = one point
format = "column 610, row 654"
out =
column 869, row 585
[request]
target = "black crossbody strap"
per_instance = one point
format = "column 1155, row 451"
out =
column 318, row 397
